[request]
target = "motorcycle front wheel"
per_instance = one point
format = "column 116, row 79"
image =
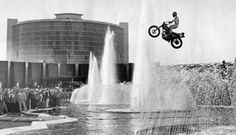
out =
column 176, row 43
column 154, row 31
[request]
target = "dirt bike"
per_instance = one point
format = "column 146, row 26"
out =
column 174, row 38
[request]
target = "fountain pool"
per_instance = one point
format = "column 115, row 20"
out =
column 165, row 123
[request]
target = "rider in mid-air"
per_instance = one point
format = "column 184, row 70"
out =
column 174, row 23
column 166, row 32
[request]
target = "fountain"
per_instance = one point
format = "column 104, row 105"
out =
column 108, row 71
column 102, row 88
column 151, row 90
column 159, row 95
column 94, row 80
column 86, row 93
column 143, row 77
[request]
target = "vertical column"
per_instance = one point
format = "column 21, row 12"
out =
column 59, row 70
column 26, row 74
column 17, row 85
column 44, row 74
column 127, row 72
column 131, row 70
column 9, row 74
column 3, row 73
column 44, row 70
column 76, row 70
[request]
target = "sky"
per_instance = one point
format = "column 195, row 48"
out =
column 209, row 25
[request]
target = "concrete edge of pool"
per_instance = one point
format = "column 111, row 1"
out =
column 38, row 125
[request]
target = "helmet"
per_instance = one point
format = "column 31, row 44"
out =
column 174, row 14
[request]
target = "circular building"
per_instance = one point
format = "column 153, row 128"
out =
column 66, row 39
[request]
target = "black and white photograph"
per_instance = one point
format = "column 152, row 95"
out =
column 123, row 67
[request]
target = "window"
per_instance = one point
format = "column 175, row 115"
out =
column 85, row 57
column 66, row 33
column 76, row 33
column 50, row 42
column 76, row 42
column 57, row 37
column 57, row 42
column 51, row 37
column 68, row 42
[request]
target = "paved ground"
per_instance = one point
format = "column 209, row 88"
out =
column 16, row 120
column 14, row 123
column 9, row 124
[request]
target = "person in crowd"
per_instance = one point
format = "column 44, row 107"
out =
column 15, row 99
column 3, row 107
column 21, row 99
column 7, row 100
column 37, row 98
column 223, row 67
column 47, row 97
column 30, row 98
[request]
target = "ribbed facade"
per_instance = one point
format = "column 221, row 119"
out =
column 66, row 39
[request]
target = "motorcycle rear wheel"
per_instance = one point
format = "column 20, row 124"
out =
column 176, row 43
column 154, row 31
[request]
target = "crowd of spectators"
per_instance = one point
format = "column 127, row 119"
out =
column 23, row 99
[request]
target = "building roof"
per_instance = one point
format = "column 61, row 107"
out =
column 70, row 17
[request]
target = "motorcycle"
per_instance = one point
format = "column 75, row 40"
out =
column 174, row 38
